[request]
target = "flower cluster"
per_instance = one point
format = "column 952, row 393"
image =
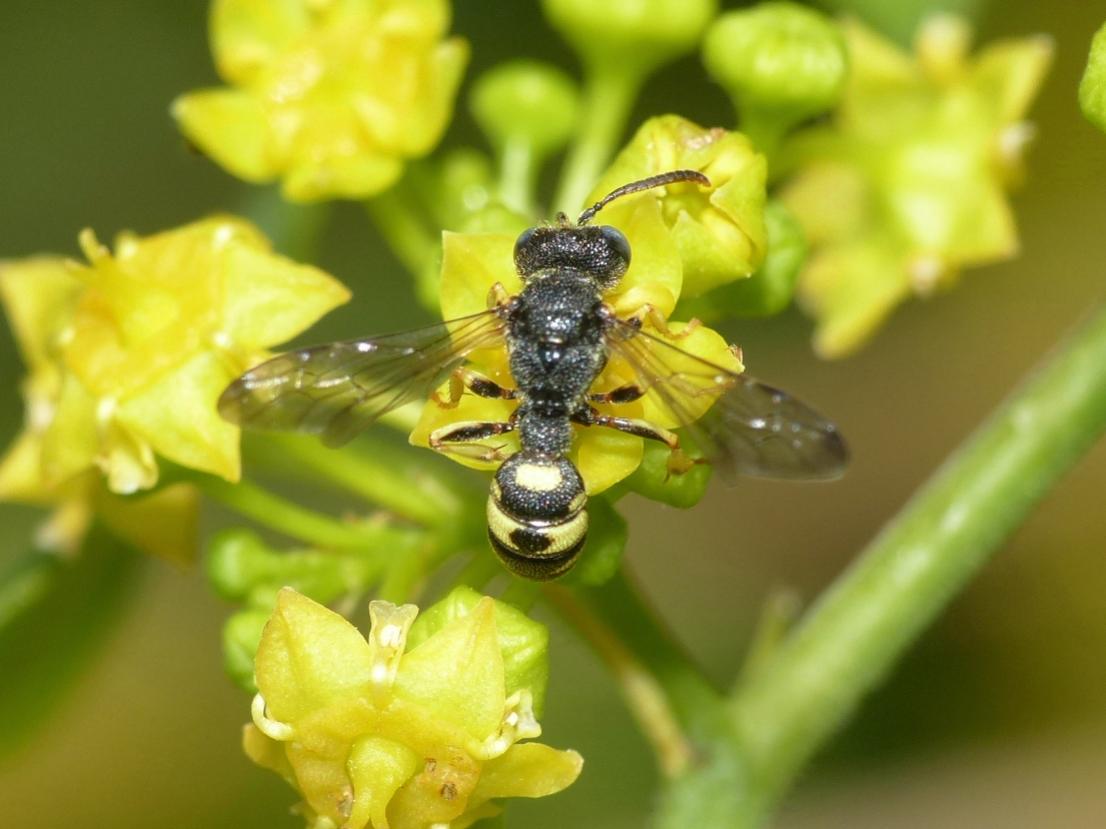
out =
column 128, row 353
column 907, row 186
column 419, row 726
column 330, row 96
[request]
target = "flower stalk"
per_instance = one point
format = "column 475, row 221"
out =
column 855, row 633
column 608, row 96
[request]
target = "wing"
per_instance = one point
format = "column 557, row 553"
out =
column 750, row 429
column 337, row 390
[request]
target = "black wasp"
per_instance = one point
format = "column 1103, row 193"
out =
column 559, row 334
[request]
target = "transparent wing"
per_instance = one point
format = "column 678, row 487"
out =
column 750, row 429
column 337, row 390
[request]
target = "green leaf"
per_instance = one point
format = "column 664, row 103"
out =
column 1092, row 89
column 55, row 616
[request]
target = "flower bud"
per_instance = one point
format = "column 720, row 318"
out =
column 525, row 102
column 654, row 481
column 241, row 635
column 633, row 35
column 778, row 61
column 1092, row 89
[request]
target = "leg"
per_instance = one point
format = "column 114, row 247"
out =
column 678, row 461
column 498, row 296
column 622, row 394
column 647, row 313
column 480, row 385
column 460, row 439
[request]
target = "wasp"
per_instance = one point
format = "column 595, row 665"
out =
column 559, row 334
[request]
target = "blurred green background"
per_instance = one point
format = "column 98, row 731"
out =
column 996, row 719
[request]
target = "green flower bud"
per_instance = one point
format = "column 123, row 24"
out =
column 237, row 560
column 634, row 35
column 653, row 480
column 457, row 185
column 524, row 644
column 241, row 566
column 608, row 533
column 779, row 61
column 241, row 635
column 525, row 102
column 770, row 289
column 1092, row 89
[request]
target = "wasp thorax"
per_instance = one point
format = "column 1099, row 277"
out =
column 601, row 252
column 536, row 518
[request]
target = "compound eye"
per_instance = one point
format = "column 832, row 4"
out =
column 521, row 245
column 617, row 242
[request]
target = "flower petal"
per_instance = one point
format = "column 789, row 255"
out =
column 38, row 295
column 471, row 264
column 528, row 770
column 458, row 673
column 232, row 128
column 177, row 416
column 246, row 35
column 377, row 768
column 308, row 656
column 269, row 299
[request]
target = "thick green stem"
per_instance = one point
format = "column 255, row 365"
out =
column 607, row 99
column 849, row 640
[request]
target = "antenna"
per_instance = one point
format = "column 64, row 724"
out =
column 645, row 184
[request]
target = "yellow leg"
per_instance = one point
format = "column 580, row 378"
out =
column 648, row 313
column 479, row 384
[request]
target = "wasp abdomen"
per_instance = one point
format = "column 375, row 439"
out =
column 536, row 518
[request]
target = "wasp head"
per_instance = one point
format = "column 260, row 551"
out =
column 601, row 252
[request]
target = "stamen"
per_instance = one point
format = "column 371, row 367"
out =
column 519, row 723
column 279, row 731
column 388, row 639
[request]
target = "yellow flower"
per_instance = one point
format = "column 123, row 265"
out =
column 40, row 295
column 411, row 729
column 908, row 185
column 330, row 95
column 472, row 262
column 718, row 230
column 144, row 341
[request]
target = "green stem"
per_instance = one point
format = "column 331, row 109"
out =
column 618, row 605
column 408, row 236
column 849, row 640
column 518, row 172
column 379, row 476
column 681, row 713
column 608, row 96
column 282, row 515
